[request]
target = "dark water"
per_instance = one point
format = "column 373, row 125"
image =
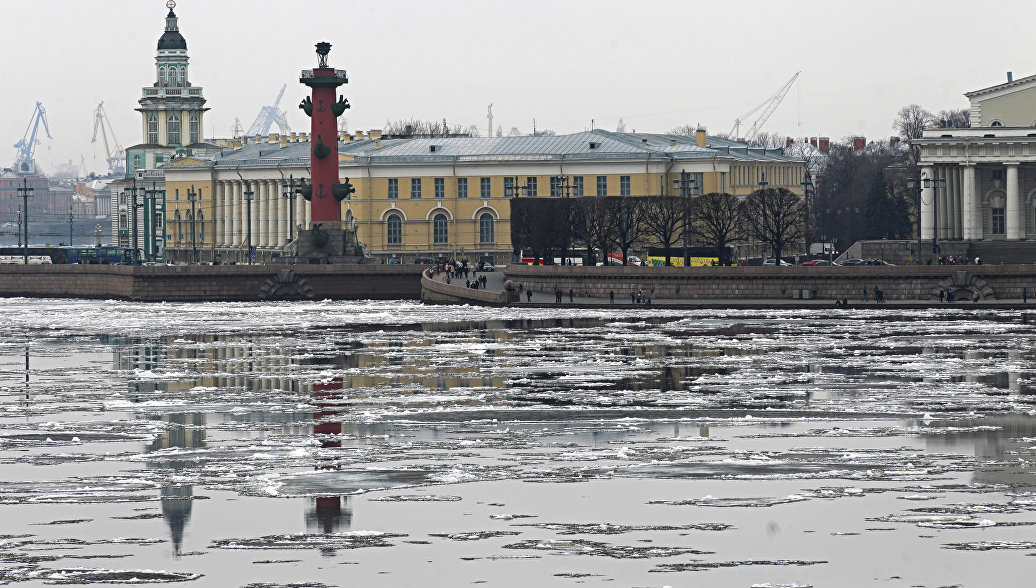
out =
column 396, row 444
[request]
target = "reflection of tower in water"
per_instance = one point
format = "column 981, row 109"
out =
column 186, row 430
column 328, row 514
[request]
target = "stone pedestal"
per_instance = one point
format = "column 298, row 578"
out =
column 322, row 244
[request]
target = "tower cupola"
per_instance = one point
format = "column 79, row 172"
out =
column 171, row 38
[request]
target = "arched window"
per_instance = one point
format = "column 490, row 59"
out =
column 440, row 232
column 394, row 230
column 201, row 225
column 485, row 228
column 161, row 76
column 173, row 130
column 136, row 162
column 996, row 123
column 179, row 225
column 152, row 129
column 195, row 129
column 181, row 79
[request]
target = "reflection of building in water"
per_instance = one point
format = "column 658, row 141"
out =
column 185, row 431
column 1004, row 441
column 329, row 514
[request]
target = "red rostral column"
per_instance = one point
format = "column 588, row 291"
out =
column 324, row 193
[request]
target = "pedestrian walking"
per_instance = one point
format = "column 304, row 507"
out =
column 942, row 294
column 1025, row 295
column 571, row 295
column 528, row 295
column 611, row 296
column 633, row 297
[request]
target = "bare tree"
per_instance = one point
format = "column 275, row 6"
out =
column 594, row 224
column 629, row 222
column 911, row 121
column 769, row 140
column 688, row 130
column 719, row 218
column 412, row 127
column 954, row 118
column 664, row 220
column 775, row 216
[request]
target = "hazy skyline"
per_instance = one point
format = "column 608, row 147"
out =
column 564, row 64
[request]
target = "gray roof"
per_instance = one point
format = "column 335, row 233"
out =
column 596, row 144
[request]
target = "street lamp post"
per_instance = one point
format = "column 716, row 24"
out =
column 563, row 187
column 192, row 195
column 26, row 192
column 71, row 217
column 766, row 223
column 290, row 189
column 248, row 194
column 133, row 216
column 514, row 190
column 19, row 227
column 808, row 193
column 686, row 185
column 935, row 184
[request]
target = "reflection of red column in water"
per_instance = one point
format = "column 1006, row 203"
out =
column 323, row 395
column 324, row 111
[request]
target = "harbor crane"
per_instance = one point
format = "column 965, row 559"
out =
column 114, row 154
column 770, row 105
column 268, row 116
column 25, row 164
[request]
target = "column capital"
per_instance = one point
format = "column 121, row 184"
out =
column 1012, row 163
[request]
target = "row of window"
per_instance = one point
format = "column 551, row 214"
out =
column 172, row 75
column 558, row 187
column 440, row 229
column 185, row 225
column 746, row 175
column 172, row 129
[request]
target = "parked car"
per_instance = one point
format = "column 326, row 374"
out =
column 878, row 262
column 818, row 262
column 855, row 261
column 484, row 266
column 773, row 262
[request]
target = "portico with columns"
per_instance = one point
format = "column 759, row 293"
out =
column 984, row 186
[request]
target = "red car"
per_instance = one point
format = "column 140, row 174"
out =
column 818, row 262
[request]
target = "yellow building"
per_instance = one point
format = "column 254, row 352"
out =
column 439, row 196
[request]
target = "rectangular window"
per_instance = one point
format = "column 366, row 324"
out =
column 530, row 186
column 393, row 188
column 602, row 185
column 195, row 131
column 998, row 221
column 555, row 186
column 485, row 187
column 509, row 188
column 439, row 185
column 699, row 183
column 998, row 174
column 577, row 185
column 415, row 187
column 624, row 185
column 462, row 187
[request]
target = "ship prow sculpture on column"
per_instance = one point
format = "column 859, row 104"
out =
column 326, row 240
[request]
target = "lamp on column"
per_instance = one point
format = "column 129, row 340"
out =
column 808, row 193
column 686, row 184
column 248, row 194
column 934, row 184
column 762, row 202
column 289, row 190
column 916, row 186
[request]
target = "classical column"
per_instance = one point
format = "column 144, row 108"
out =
column 263, row 192
column 969, row 205
column 271, row 212
column 282, row 225
column 235, row 213
column 956, row 203
column 1013, row 213
column 927, row 205
column 254, row 213
column 307, row 211
column 224, row 212
column 942, row 208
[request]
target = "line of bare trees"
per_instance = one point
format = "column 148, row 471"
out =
column 565, row 227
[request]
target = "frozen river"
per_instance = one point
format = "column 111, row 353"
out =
column 397, row 444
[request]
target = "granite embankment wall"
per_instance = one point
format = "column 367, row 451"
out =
column 213, row 283
column 756, row 282
column 435, row 291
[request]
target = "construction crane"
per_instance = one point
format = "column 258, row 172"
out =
column 770, row 105
column 114, row 154
column 268, row 116
column 25, row 164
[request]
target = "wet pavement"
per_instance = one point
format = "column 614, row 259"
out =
column 398, row 444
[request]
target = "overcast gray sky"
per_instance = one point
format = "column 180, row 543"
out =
column 655, row 64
